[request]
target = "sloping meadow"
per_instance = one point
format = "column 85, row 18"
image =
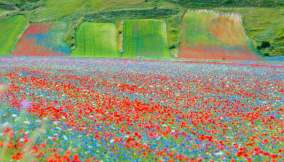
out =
column 43, row 39
column 211, row 35
column 10, row 29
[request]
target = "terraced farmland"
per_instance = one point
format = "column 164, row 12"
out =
column 210, row 35
column 10, row 31
column 96, row 40
column 145, row 38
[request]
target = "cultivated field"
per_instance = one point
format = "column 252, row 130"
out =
column 96, row 40
column 145, row 38
column 43, row 39
column 10, row 30
column 120, row 110
column 141, row 80
column 212, row 35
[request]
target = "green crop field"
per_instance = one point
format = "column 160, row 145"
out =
column 96, row 40
column 145, row 38
column 10, row 30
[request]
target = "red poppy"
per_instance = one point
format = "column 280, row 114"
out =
column 265, row 141
column 17, row 156
column 76, row 158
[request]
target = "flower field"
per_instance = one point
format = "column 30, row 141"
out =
column 43, row 39
column 64, row 109
column 211, row 35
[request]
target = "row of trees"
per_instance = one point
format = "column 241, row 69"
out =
column 19, row 4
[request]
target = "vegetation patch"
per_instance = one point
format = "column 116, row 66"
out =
column 43, row 39
column 96, row 40
column 211, row 35
column 145, row 38
column 10, row 30
column 264, row 26
column 110, row 16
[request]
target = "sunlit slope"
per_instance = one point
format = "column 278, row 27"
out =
column 265, row 26
column 10, row 31
column 145, row 38
column 3, row 12
column 43, row 39
column 210, row 35
column 96, row 40
column 58, row 9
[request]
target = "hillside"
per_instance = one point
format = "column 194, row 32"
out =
column 261, row 18
column 265, row 26
column 211, row 35
column 10, row 28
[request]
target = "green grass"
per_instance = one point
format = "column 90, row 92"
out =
column 96, row 40
column 52, row 10
column 3, row 12
column 10, row 31
column 263, row 24
column 145, row 38
column 59, row 9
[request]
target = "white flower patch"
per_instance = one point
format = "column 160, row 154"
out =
column 27, row 122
